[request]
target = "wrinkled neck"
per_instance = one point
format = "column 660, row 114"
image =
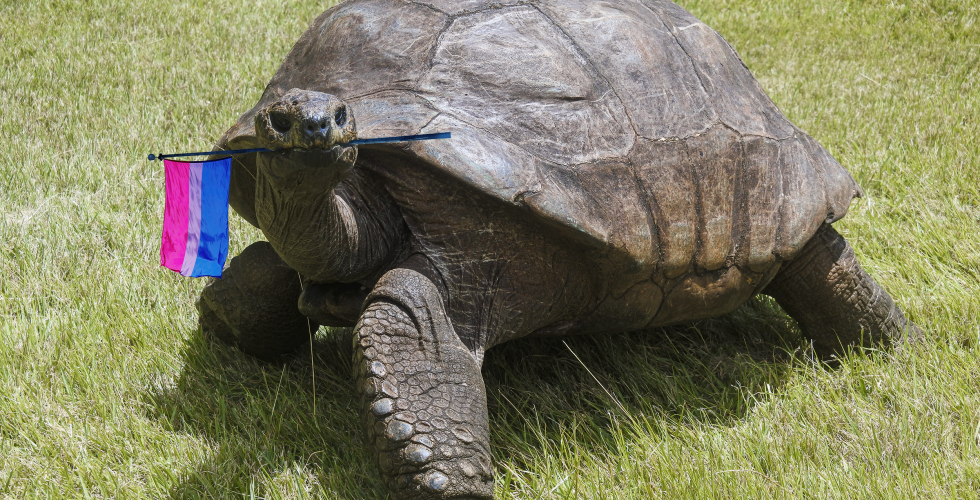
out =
column 344, row 233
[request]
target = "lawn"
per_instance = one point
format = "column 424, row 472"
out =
column 107, row 389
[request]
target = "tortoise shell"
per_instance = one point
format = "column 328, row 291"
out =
column 626, row 123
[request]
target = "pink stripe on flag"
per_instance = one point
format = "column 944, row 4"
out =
column 193, row 218
column 174, row 240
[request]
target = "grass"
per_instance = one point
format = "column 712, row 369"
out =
column 108, row 390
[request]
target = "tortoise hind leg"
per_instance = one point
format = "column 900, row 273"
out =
column 834, row 300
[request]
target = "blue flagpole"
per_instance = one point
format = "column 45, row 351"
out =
column 377, row 140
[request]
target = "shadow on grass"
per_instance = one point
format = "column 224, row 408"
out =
column 270, row 428
column 549, row 390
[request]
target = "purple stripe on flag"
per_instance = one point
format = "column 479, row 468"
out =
column 193, row 218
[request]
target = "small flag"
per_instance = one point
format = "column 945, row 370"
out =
column 195, row 220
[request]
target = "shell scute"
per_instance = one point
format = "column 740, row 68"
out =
column 600, row 200
column 480, row 160
column 717, row 162
column 736, row 96
column 352, row 49
column 651, row 71
column 389, row 113
column 762, row 175
column 802, row 189
column 665, row 172
column 513, row 74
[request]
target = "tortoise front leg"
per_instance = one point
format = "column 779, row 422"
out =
column 834, row 300
column 253, row 306
column 423, row 403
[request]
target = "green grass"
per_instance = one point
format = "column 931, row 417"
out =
column 108, row 390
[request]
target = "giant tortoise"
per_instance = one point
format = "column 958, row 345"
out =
column 613, row 166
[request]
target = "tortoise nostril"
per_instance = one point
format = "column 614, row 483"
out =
column 323, row 124
column 280, row 124
column 340, row 117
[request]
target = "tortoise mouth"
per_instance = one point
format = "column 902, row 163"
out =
column 331, row 154
column 314, row 168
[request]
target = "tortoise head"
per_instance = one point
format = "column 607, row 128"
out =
column 308, row 132
column 305, row 119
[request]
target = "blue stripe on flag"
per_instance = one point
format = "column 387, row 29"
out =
column 213, row 247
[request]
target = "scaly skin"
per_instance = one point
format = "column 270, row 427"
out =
column 423, row 403
column 837, row 303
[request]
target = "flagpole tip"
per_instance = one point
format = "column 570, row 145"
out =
column 151, row 157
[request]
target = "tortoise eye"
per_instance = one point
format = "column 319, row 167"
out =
column 279, row 123
column 340, row 118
